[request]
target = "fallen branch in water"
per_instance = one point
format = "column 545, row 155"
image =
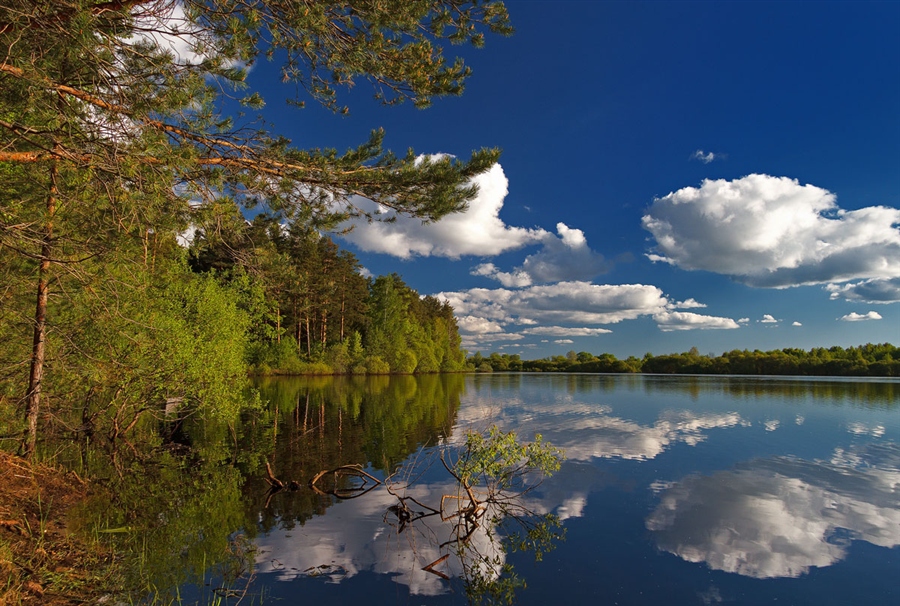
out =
column 346, row 470
column 271, row 479
column 368, row 482
column 430, row 567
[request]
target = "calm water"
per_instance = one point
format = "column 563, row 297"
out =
column 688, row 490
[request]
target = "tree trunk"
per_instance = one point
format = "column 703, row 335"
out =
column 278, row 324
column 38, row 350
column 308, row 338
column 343, row 305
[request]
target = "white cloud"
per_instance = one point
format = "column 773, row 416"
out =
column 564, row 331
column 564, row 302
column 688, row 304
column 768, row 319
column 773, row 232
column 563, row 257
column 706, row 158
column 564, row 341
column 477, row 231
column 513, row 279
column 491, row 337
column 868, row 291
column 669, row 321
column 855, row 317
column 169, row 29
column 474, row 324
column 796, row 324
column 484, row 312
column 567, row 257
column 744, row 321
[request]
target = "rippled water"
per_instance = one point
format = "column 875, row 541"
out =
column 689, row 490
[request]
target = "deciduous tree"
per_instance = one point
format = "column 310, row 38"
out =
column 96, row 105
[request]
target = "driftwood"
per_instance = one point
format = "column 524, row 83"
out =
column 369, row 482
column 276, row 485
column 346, row 470
column 430, row 567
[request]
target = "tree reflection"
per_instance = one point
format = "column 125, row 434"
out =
column 483, row 515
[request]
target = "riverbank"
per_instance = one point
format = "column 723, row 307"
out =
column 44, row 559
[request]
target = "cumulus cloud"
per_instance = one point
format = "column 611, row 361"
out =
column 476, row 325
column 564, row 331
column 513, row 279
column 565, row 302
column 855, row 317
column 773, row 232
column 477, row 231
column 768, row 319
column 780, row 517
column 688, row 304
column 704, row 157
column 669, row 321
column 563, row 257
column 868, row 291
column 563, row 341
column 796, row 324
column 485, row 314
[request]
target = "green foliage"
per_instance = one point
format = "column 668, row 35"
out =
column 112, row 145
column 877, row 360
column 495, row 469
column 171, row 525
column 376, row 366
column 309, row 303
column 499, row 460
column 865, row 360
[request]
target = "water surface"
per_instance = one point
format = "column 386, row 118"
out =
column 695, row 490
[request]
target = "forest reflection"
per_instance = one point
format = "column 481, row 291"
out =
column 857, row 391
column 197, row 513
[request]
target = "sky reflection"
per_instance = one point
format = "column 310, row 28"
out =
column 779, row 517
column 786, row 489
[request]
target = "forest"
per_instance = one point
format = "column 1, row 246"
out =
column 311, row 311
column 128, row 125
column 873, row 360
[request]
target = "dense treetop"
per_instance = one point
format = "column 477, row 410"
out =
column 866, row 360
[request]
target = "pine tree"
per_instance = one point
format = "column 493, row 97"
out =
column 97, row 118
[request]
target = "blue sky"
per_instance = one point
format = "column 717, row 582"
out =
column 674, row 174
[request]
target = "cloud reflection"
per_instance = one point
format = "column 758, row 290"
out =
column 779, row 517
column 356, row 536
column 587, row 431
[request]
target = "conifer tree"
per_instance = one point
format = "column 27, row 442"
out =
column 94, row 105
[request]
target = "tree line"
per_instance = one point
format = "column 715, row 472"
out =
column 311, row 310
column 876, row 360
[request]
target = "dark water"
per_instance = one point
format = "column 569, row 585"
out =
column 687, row 490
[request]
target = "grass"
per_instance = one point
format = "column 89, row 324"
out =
column 42, row 560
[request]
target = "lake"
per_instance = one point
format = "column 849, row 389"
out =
column 675, row 489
